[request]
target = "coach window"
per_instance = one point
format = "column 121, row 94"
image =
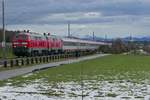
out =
column 82, row 44
column 73, row 44
column 66, row 43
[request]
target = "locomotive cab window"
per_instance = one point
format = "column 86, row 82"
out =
column 24, row 37
column 16, row 36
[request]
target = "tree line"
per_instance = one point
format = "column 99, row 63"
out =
column 9, row 35
column 118, row 47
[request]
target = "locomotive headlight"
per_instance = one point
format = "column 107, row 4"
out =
column 24, row 43
column 25, row 46
column 15, row 43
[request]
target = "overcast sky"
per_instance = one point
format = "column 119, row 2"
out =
column 116, row 18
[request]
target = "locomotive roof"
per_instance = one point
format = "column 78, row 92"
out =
column 39, row 35
column 30, row 33
column 54, row 36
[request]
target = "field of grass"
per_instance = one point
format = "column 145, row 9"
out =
column 113, row 67
column 113, row 77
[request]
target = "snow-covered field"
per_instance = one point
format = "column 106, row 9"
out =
column 92, row 90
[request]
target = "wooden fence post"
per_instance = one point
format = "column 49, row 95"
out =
column 32, row 61
column 11, row 63
column 27, row 61
column 40, row 59
column 53, row 57
column 17, row 62
column 22, row 62
column 5, row 63
column 36, row 60
column 44, row 59
column 59, row 57
column 50, row 58
column 47, row 60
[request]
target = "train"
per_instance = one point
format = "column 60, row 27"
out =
column 27, row 43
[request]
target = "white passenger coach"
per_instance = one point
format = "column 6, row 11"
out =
column 78, row 44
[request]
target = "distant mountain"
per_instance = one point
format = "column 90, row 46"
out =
column 146, row 38
column 125, row 39
column 100, row 39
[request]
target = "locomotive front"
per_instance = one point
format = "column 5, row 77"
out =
column 20, row 44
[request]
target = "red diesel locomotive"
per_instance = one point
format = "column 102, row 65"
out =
column 34, row 44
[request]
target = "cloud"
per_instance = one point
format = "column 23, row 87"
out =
column 132, row 13
column 30, row 12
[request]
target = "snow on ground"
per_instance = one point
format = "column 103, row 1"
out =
column 27, row 75
column 92, row 90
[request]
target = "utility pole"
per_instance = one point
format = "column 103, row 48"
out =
column 130, row 37
column 105, row 37
column 93, row 36
column 69, row 29
column 3, row 20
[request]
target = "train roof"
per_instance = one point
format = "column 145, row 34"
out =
column 84, row 41
column 53, row 36
column 39, row 34
column 30, row 33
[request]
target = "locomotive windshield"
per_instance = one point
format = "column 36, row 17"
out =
column 22, row 37
column 16, row 36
